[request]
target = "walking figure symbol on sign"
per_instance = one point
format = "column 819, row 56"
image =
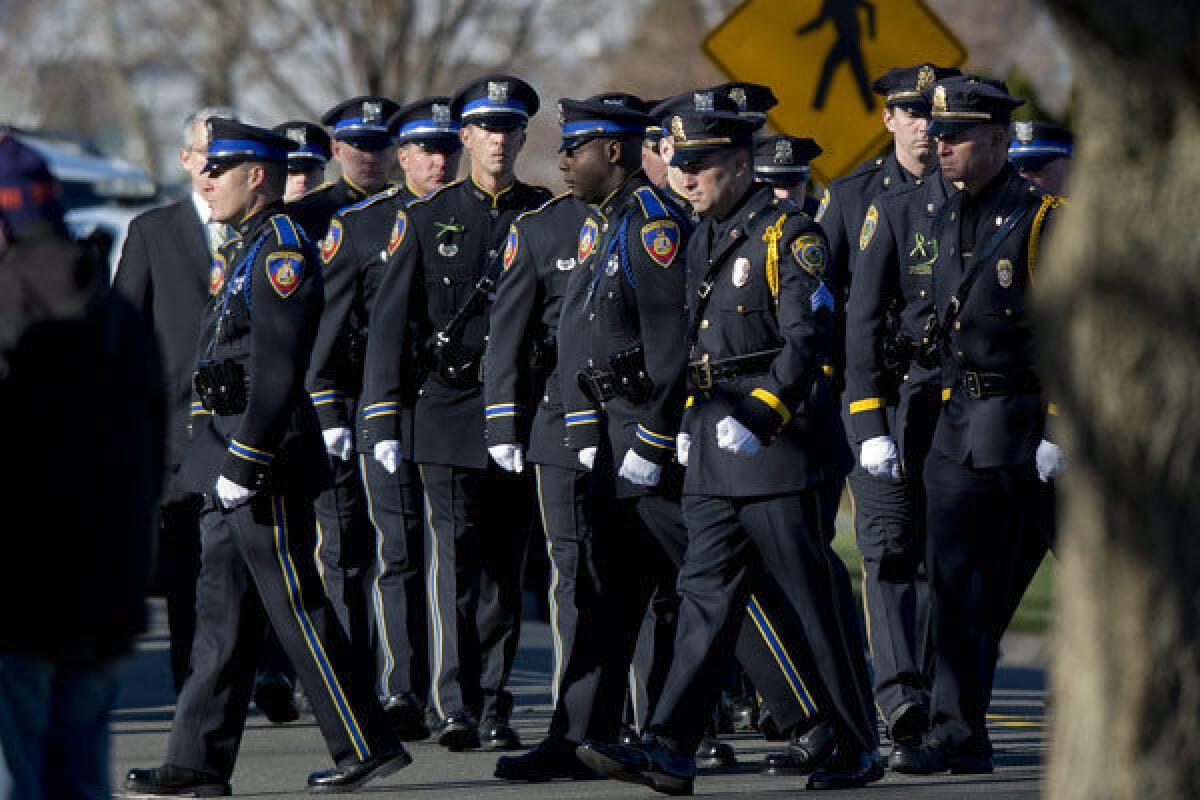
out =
column 843, row 15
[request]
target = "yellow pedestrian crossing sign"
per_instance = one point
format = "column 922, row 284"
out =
column 820, row 56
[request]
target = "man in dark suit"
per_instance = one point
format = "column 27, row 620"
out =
column 164, row 271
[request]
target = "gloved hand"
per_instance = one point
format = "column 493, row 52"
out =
column 232, row 494
column 587, row 457
column 339, row 442
column 1050, row 460
column 683, row 446
column 387, row 453
column 734, row 437
column 639, row 471
column 880, row 458
column 510, row 457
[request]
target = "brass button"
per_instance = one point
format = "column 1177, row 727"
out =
column 957, row 325
column 961, row 354
column 741, row 309
column 922, row 293
column 703, row 324
column 446, row 279
column 1008, row 312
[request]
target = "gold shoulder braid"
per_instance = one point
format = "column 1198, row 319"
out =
column 771, row 236
column 1049, row 201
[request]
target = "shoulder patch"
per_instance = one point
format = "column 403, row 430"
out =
column 661, row 240
column 821, row 209
column 332, row 240
column 870, row 221
column 587, row 240
column 651, row 205
column 811, row 254
column 399, row 228
column 367, row 202
column 510, row 247
column 284, row 270
column 285, row 231
column 216, row 275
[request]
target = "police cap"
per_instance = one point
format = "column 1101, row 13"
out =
column 783, row 160
column 429, row 122
column 752, row 99
column 1036, row 143
column 703, row 122
column 312, row 144
column 362, row 121
column 608, row 115
column 496, row 102
column 906, row 87
column 231, row 142
column 962, row 102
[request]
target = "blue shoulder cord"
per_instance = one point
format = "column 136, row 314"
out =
column 620, row 242
column 241, row 269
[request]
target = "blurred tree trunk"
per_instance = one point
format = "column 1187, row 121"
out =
column 1118, row 300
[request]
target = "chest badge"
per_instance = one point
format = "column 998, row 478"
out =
column 565, row 264
column 587, row 240
column 284, row 270
column 1004, row 273
column 448, row 250
column 741, row 272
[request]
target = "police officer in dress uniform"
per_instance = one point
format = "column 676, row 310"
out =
column 256, row 455
column 354, row 254
column 988, row 469
column 445, row 244
column 306, row 164
column 755, row 458
column 782, row 162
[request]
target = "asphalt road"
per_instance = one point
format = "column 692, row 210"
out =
column 275, row 760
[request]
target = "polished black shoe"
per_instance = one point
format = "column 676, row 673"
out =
column 647, row 764
column 926, row 759
column 629, row 736
column 848, row 769
column 351, row 776
column 407, row 717
column 805, row 752
column 495, row 734
column 274, row 697
column 553, row 759
column 460, row 731
column 909, row 725
column 170, row 780
column 714, row 754
column 973, row 757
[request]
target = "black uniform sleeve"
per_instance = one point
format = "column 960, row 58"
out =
column 504, row 362
column 326, row 371
column 831, row 217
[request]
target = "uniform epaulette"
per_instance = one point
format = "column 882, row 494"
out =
column 652, row 205
column 861, row 172
column 548, row 204
column 391, row 191
column 426, row 198
column 285, row 230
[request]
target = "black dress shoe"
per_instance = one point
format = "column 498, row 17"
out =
column 553, row 759
column 972, row 757
column 849, row 769
column 909, row 724
column 628, row 736
column 460, row 731
column 768, row 727
column 647, row 764
column 927, row 759
column 714, row 754
column 274, row 697
column 407, row 716
column 351, row 776
column 805, row 752
column 495, row 734
column 176, row 781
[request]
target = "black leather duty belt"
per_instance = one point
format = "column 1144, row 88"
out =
column 997, row 384
column 704, row 374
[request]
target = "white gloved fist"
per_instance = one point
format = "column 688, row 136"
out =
column 639, row 471
column 387, row 453
column 683, row 446
column 587, row 457
column 339, row 443
column 880, row 458
column 734, row 437
column 1050, row 460
column 509, row 457
column 232, row 494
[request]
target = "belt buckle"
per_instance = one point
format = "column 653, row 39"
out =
column 972, row 384
column 704, row 368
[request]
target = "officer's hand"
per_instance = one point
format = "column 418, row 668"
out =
column 1050, row 460
column 683, row 446
column 510, row 457
column 639, row 471
column 736, row 438
column 587, row 457
column 880, row 458
column 232, row 494
column 339, row 443
column 387, row 453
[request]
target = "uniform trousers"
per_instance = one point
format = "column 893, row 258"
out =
column 178, row 563
column 346, row 554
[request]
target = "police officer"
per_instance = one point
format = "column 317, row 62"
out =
column 653, row 163
column 754, row 458
column 782, row 162
column 356, row 249
column 306, row 164
column 256, row 455
column 444, row 244
column 991, row 459
column 1042, row 152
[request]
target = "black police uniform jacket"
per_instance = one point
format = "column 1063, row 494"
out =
column 265, row 308
column 893, row 277
column 444, row 243
column 522, row 389
column 627, row 291
column 354, row 253
column 992, row 332
column 764, row 266
column 314, row 210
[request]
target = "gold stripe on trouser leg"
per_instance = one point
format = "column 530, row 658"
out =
column 554, row 630
column 435, row 611
column 389, row 660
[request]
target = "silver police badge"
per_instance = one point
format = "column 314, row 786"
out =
column 448, row 250
column 1004, row 273
column 1023, row 130
column 372, row 112
column 298, row 136
column 741, row 272
column 497, row 92
column 703, row 101
column 565, row 264
column 441, row 115
column 612, row 266
column 783, row 152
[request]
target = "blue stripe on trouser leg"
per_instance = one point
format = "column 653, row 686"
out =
column 790, row 673
column 554, row 630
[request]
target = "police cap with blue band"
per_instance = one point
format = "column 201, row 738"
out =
column 231, row 142
column 752, row 99
column 908, row 87
column 312, row 144
column 783, row 160
column 496, row 102
column 1036, row 143
column 962, row 102
column 362, row 121
column 704, row 122
column 609, row 115
column 429, row 122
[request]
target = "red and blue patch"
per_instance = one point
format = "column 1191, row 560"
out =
column 398, row 231
column 587, row 240
column 284, row 270
column 216, row 275
column 510, row 248
column 661, row 240
column 332, row 241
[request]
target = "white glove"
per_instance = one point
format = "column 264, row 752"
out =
column 880, row 457
column 683, row 446
column 736, row 438
column 639, row 471
column 587, row 457
column 387, row 453
column 1050, row 460
column 510, row 457
column 339, row 443
column 231, row 494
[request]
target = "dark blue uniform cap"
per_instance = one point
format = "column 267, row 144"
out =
column 1036, row 143
column 362, row 121
column 496, row 102
column 907, row 87
column 703, row 122
column 654, row 130
column 752, row 99
column 232, row 142
column 608, row 115
column 30, row 195
column 312, row 144
column 962, row 102
column 783, row 160
column 430, row 122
